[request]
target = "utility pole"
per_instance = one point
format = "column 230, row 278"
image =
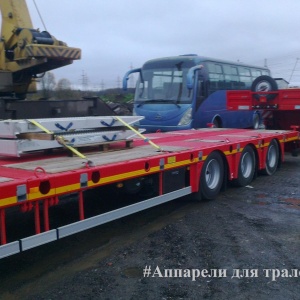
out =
column 102, row 85
column 293, row 69
column 131, row 77
column 84, row 81
column 118, row 82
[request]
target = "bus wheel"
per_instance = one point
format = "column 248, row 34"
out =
column 217, row 123
column 211, row 178
column 246, row 167
column 264, row 83
column 272, row 158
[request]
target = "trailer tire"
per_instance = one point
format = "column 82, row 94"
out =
column 211, row 178
column 272, row 158
column 246, row 167
column 264, row 83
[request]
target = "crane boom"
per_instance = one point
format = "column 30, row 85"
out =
column 26, row 52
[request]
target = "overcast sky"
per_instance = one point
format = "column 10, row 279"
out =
column 117, row 34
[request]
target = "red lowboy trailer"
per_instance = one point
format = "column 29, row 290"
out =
column 281, row 108
column 198, row 163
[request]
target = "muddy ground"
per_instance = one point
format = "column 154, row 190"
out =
column 253, row 228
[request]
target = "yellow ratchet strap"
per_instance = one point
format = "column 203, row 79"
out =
column 139, row 134
column 59, row 139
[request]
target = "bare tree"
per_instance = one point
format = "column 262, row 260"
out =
column 47, row 85
column 63, row 84
column 64, row 90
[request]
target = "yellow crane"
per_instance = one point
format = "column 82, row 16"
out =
column 25, row 52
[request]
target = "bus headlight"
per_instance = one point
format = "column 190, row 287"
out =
column 186, row 118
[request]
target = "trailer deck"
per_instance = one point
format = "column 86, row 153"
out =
column 196, row 162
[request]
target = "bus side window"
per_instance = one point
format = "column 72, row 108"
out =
column 201, row 92
column 245, row 77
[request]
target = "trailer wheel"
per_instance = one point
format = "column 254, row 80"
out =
column 272, row 158
column 211, row 178
column 264, row 83
column 246, row 167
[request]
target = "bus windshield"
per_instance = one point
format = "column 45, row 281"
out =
column 163, row 85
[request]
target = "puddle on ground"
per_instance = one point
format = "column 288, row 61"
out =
column 133, row 272
column 263, row 199
column 291, row 202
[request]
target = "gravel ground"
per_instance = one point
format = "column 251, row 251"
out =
column 253, row 228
